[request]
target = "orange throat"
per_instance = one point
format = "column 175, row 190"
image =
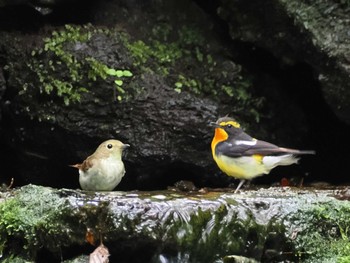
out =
column 219, row 136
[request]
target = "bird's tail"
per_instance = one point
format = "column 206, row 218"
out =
column 78, row 166
column 306, row 152
column 294, row 151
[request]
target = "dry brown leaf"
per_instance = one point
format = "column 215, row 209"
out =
column 100, row 255
column 89, row 236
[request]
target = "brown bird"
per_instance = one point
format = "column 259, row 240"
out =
column 104, row 169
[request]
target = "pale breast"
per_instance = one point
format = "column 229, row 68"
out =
column 104, row 176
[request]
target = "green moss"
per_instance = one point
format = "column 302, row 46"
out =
column 183, row 57
column 14, row 259
column 193, row 84
column 36, row 217
column 163, row 54
column 27, row 217
column 56, row 57
column 190, row 36
column 100, row 70
column 305, row 228
column 318, row 19
column 325, row 233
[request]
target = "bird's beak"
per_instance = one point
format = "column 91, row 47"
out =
column 125, row 146
column 214, row 124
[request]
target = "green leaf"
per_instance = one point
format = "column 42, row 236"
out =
column 82, row 89
column 111, row 72
column 127, row 73
column 66, row 101
column 48, row 88
column 178, row 90
column 121, row 90
column 178, row 85
column 119, row 73
column 119, row 82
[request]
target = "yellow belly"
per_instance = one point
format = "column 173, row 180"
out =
column 246, row 167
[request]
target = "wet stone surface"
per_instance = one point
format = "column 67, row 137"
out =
column 274, row 224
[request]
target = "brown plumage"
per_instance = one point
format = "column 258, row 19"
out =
column 104, row 169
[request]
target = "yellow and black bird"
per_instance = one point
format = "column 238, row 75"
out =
column 239, row 155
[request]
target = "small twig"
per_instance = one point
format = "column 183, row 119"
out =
column 101, row 239
column 11, row 183
column 301, row 184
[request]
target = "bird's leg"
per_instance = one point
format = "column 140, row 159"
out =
column 239, row 185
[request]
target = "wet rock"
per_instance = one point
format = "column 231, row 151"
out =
column 238, row 259
column 185, row 186
column 37, row 4
column 275, row 224
column 2, row 89
column 294, row 31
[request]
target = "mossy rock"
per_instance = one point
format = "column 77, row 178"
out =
column 272, row 224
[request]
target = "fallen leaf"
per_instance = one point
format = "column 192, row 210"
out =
column 100, row 255
column 89, row 236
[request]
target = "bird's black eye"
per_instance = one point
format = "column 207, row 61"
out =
column 229, row 126
column 109, row 146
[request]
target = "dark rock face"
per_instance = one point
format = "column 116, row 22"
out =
column 167, row 130
column 63, row 90
column 313, row 33
column 159, row 123
column 2, row 88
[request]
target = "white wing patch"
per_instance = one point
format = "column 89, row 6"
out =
column 241, row 142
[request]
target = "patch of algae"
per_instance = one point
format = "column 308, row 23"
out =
column 36, row 217
column 26, row 219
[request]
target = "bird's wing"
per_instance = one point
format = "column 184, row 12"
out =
column 266, row 148
column 87, row 164
column 237, row 148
